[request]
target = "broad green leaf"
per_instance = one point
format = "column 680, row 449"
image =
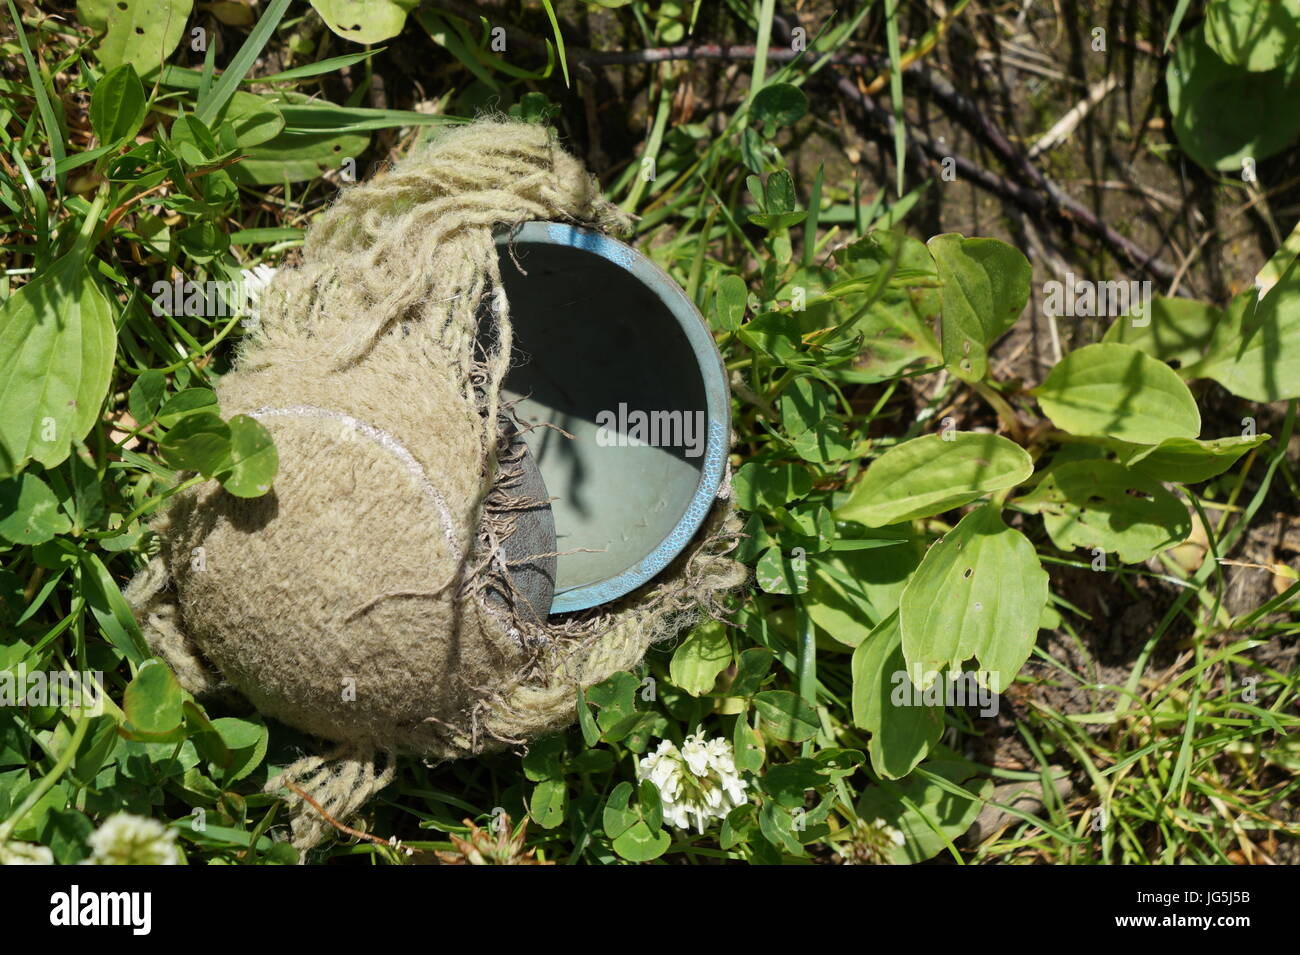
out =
column 57, row 344
column 748, row 746
column 29, row 511
column 777, row 826
column 153, row 701
column 761, row 486
column 805, row 403
column 1174, row 330
column 849, row 592
column 1118, row 391
column 296, row 156
column 979, row 593
column 701, row 657
column 549, row 802
column 146, row 395
column 929, row 815
column 253, row 458
column 1184, row 461
column 363, row 21
column 249, row 120
column 751, row 669
column 779, row 104
column 827, row 441
column 618, row 815
column 985, row 288
column 932, row 474
column 198, row 442
column 640, row 843
column 786, row 715
column 1103, row 504
column 117, row 108
column 1255, row 352
column 729, row 303
column 246, row 744
column 1223, row 114
column 901, row 733
column 1256, row 35
column 544, row 759
column 142, row 33
column 187, row 402
column 779, row 572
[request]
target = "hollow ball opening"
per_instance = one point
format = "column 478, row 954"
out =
column 619, row 379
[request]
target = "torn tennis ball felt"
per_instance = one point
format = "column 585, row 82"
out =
column 368, row 599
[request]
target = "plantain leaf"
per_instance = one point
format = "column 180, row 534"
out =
column 363, row 21
column 985, row 287
column 57, row 344
column 932, row 474
column 1103, row 504
column 1184, row 461
column 1255, row 352
column 1118, row 391
column 1224, row 114
column 1174, row 330
column 901, row 734
column 142, row 33
column 1254, row 35
column 979, row 593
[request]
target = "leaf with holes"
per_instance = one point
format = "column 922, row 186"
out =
column 1105, row 505
column 1118, row 391
column 298, row 155
column 979, row 593
column 932, row 474
column 142, row 33
column 985, row 288
column 364, row 21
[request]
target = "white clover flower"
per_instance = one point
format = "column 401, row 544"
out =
column 25, row 853
column 889, row 832
column 699, row 782
column 124, row 839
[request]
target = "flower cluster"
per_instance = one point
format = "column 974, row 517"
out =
column 24, row 853
column 697, row 783
column 124, row 839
